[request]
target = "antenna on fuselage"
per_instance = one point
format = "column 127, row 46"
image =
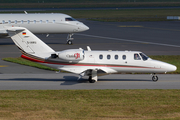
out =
column 25, row 12
column 88, row 48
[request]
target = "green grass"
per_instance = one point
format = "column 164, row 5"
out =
column 87, row 3
column 117, row 15
column 125, row 15
column 122, row 15
column 172, row 59
column 90, row 104
column 22, row 61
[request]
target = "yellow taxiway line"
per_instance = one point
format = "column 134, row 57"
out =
column 3, row 65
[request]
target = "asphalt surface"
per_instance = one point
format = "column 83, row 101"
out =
column 152, row 38
column 69, row 81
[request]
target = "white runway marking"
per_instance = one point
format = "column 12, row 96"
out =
column 136, row 41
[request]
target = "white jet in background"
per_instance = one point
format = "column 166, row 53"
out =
column 46, row 23
column 86, row 62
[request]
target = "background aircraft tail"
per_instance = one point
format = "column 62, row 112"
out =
column 28, row 42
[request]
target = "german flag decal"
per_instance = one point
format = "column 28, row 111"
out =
column 24, row 33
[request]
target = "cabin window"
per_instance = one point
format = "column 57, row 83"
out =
column 47, row 21
column 9, row 22
column 100, row 56
column 3, row 22
column 124, row 57
column 40, row 21
column 28, row 21
column 15, row 21
column 116, row 57
column 34, row 21
column 70, row 19
column 144, row 57
column 54, row 21
column 108, row 57
column 137, row 57
column 21, row 21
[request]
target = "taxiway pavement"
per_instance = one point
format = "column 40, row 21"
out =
column 64, row 81
column 152, row 38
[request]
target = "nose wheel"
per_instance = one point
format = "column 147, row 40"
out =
column 154, row 78
column 69, row 42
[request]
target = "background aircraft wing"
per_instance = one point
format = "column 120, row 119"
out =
column 5, row 32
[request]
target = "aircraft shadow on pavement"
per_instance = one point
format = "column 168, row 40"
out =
column 70, row 80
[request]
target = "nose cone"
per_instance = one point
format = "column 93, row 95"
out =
column 86, row 28
column 163, row 67
column 171, row 68
column 83, row 28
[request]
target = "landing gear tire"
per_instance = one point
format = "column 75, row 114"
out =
column 69, row 42
column 91, row 80
column 155, row 78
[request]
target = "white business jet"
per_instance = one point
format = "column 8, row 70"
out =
column 42, row 23
column 86, row 62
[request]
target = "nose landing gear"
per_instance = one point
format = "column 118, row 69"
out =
column 69, row 39
column 154, row 78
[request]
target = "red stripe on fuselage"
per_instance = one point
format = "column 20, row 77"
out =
column 28, row 58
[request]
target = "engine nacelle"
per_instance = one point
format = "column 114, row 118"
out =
column 71, row 55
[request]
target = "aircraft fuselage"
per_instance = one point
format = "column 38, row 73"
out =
column 42, row 23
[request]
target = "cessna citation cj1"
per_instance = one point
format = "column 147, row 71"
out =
column 89, row 63
column 42, row 23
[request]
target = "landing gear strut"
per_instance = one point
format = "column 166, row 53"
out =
column 154, row 78
column 69, row 39
column 91, row 80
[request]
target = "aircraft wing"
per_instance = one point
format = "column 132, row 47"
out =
column 11, row 31
column 5, row 32
column 15, row 29
column 85, row 71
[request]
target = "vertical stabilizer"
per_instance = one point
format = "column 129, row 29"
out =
column 28, row 42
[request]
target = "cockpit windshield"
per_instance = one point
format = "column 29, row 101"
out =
column 70, row 19
column 144, row 57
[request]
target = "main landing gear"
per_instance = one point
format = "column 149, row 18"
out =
column 93, row 76
column 154, row 77
column 91, row 80
column 69, row 39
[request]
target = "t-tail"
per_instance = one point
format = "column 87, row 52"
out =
column 28, row 43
